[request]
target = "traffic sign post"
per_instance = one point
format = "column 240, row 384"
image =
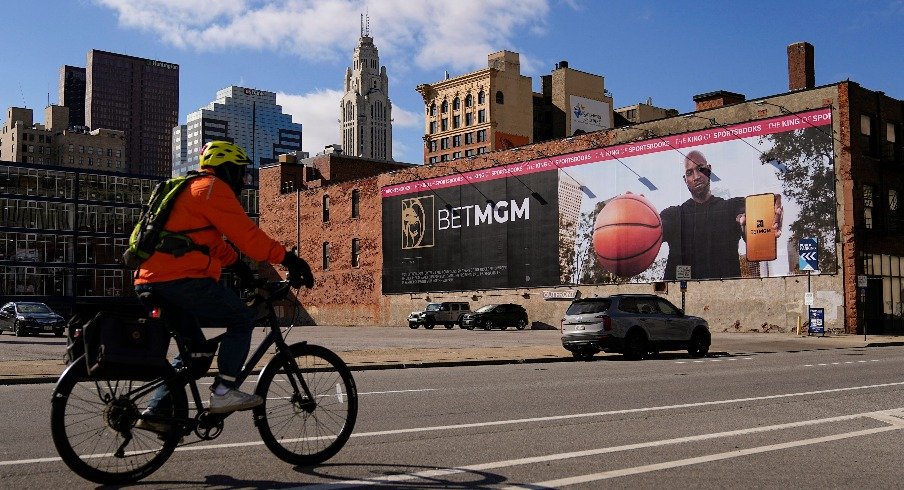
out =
column 683, row 274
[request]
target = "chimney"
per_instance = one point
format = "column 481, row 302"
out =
column 801, row 73
column 720, row 98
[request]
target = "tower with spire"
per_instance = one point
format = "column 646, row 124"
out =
column 365, row 119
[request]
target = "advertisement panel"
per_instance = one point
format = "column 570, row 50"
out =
column 588, row 115
column 724, row 202
column 478, row 234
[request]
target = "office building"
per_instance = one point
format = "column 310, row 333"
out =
column 479, row 112
column 366, row 112
column 72, row 93
column 137, row 96
column 248, row 117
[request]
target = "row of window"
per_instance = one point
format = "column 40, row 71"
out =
column 456, row 103
column 878, row 214
column 445, row 157
column 61, row 281
column 870, row 136
column 356, row 205
column 456, row 121
column 355, row 250
column 455, row 141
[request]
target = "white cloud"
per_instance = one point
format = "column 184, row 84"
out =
column 318, row 113
column 322, row 29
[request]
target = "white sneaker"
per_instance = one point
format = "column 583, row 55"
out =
column 161, row 427
column 232, row 401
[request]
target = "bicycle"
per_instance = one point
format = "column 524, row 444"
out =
column 309, row 410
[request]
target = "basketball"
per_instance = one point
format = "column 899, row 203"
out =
column 627, row 234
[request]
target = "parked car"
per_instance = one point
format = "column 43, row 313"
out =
column 448, row 314
column 25, row 318
column 496, row 316
column 632, row 324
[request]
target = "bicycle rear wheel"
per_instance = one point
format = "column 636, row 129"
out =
column 304, row 431
column 93, row 427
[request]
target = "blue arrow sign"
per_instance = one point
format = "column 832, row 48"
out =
column 809, row 254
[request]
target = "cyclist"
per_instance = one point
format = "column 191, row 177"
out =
column 210, row 209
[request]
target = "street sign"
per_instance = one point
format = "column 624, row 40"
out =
column 683, row 285
column 808, row 254
column 683, row 272
column 808, row 299
column 861, row 281
column 817, row 322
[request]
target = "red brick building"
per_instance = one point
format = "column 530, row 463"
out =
column 314, row 205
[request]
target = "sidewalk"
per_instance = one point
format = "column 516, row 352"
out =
column 399, row 348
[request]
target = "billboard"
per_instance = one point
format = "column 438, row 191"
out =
column 724, row 202
column 588, row 115
column 465, row 233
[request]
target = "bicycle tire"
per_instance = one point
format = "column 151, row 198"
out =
column 85, row 432
column 293, row 434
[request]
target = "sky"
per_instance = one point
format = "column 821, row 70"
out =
column 664, row 51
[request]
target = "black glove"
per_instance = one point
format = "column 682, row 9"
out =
column 299, row 271
column 243, row 272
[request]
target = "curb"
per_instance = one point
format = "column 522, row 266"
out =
column 379, row 366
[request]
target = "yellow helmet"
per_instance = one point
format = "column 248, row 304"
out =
column 217, row 153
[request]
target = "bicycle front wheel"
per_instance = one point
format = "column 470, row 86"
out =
column 93, row 427
column 304, row 430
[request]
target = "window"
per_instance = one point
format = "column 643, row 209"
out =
column 469, row 119
column 481, row 135
column 456, row 154
column 356, row 203
column 456, row 140
column 434, row 159
column 469, row 100
column 868, row 206
column 481, row 97
column 482, row 116
column 356, row 252
column 432, row 127
column 869, row 141
column 326, row 255
column 456, row 104
column 456, row 121
column 444, row 124
column 445, row 107
column 326, row 208
column 444, row 158
column 469, row 138
column 431, row 145
column 444, row 143
column 500, row 99
column 433, row 109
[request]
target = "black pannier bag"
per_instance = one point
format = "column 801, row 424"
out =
column 126, row 346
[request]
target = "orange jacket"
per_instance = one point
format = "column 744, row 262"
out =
column 209, row 202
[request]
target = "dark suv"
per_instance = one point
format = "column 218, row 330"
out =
column 496, row 316
column 447, row 314
column 632, row 324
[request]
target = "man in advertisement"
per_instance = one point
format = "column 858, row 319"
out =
column 704, row 231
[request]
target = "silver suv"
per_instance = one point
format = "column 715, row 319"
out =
column 447, row 314
column 632, row 324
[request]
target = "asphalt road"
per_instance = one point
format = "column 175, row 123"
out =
column 815, row 418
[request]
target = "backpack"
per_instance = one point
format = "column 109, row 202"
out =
column 148, row 235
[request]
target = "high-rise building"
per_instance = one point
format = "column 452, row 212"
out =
column 72, row 93
column 365, row 111
column 247, row 117
column 479, row 112
column 139, row 97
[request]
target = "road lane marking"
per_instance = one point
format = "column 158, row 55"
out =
column 605, row 475
column 443, row 472
column 551, row 418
